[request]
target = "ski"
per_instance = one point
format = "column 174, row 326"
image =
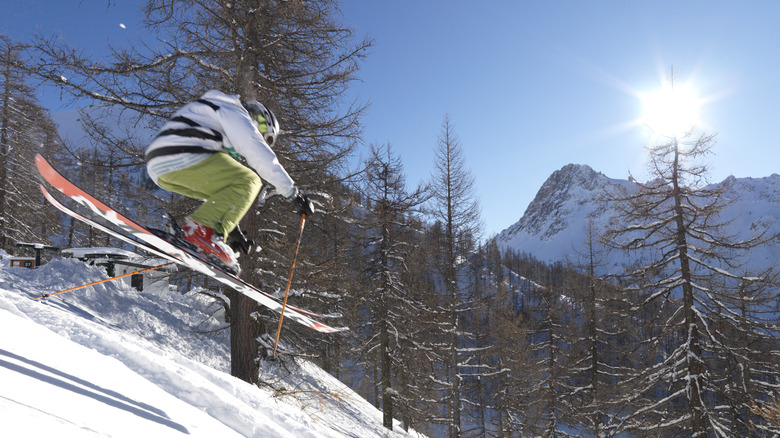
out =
column 149, row 241
column 53, row 201
column 144, row 246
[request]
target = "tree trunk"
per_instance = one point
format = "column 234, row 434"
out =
column 244, row 331
column 695, row 366
column 387, row 393
column 4, row 147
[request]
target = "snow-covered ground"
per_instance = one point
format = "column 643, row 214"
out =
column 107, row 361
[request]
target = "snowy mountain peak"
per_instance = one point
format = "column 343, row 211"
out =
column 554, row 222
column 767, row 188
column 564, row 194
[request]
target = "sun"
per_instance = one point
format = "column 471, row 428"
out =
column 672, row 111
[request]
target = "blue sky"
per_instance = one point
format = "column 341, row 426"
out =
column 530, row 86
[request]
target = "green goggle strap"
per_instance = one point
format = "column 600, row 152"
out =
column 262, row 125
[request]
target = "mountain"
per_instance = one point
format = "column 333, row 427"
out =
column 554, row 223
column 109, row 361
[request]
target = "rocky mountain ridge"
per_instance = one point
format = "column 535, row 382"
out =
column 554, row 223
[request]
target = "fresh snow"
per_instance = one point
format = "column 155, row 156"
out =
column 102, row 251
column 553, row 226
column 107, row 361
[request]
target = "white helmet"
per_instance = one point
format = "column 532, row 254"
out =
column 265, row 119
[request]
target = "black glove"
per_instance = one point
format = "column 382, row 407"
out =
column 303, row 204
column 238, row 241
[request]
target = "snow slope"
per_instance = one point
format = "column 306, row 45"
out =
column 106, row 361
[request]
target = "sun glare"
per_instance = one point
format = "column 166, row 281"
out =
column 672, row 111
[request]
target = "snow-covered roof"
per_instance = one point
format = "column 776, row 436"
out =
column 35, row 245
column 115, row 253
column 119, row 256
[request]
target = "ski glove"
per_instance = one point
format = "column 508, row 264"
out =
column 303, row 204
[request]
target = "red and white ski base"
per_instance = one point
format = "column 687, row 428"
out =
column 161, row 247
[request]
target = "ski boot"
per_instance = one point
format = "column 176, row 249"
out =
column 210, row 244
column 240, row 243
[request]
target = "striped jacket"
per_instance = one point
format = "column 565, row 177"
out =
column 215, row 122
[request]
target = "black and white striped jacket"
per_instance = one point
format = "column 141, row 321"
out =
column 215, row 122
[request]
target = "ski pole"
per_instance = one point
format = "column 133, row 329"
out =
column 289, row 281
column 103, row 281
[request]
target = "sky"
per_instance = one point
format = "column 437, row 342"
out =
column 529, row 86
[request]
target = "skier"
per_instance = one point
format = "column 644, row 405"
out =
column 195, row 154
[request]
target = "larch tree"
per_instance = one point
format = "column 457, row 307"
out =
column 513, row 354
column 690, row 266
column 294, row 56
column 388, row 242
column 25, row 129
column 597, row 352
column 456, row 208
column 418, row 400
column 549, row 324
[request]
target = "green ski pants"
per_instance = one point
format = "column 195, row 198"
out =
column 227, row 187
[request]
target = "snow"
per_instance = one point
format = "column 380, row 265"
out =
column 107, row 361
column 101, row 251
column 553, row 227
